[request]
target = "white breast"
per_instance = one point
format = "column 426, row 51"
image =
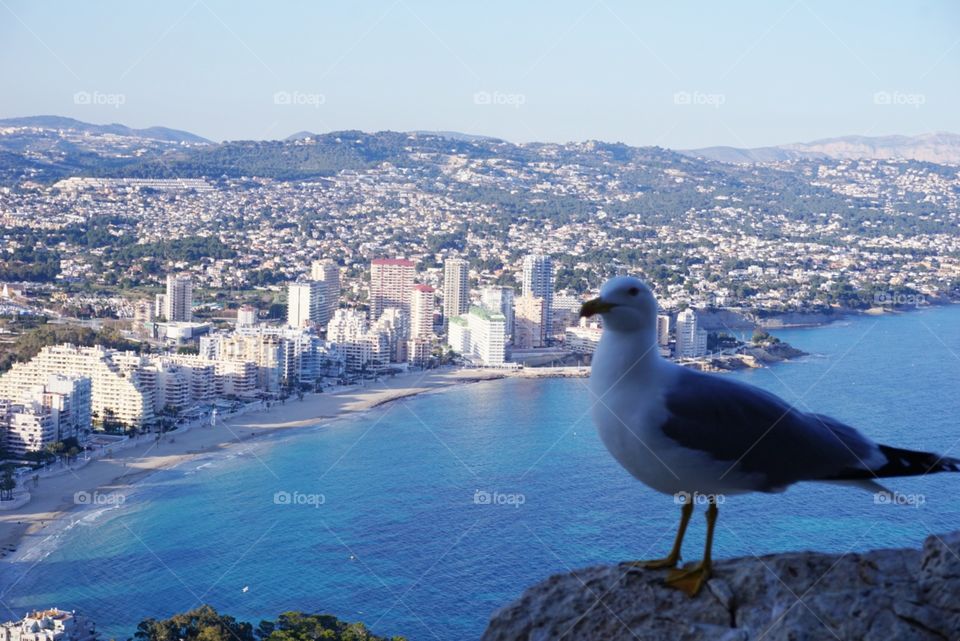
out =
column 629, row 410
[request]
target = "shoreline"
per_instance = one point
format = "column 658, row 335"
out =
column 53, row 500
column 848, row 313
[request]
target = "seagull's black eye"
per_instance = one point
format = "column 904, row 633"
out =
column 633, row 291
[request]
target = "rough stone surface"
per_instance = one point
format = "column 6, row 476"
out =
column 881, row 595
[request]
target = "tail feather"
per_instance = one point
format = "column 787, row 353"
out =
column 902, row 462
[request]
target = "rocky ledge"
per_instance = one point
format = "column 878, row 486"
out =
column 881, row 595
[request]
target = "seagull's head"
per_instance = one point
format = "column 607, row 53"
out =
column 625, row 303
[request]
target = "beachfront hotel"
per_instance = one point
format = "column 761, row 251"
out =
column 394, row 324
column 46, row 414
column 280, row 354
column 187, row 379
column 122, row 383
column 498, row 298
column 327, row 272
column 359, row 346
column 479, row 336
column 306, row 301
column 421, row 311
column 391, row 282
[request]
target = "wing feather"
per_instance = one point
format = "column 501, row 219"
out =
column 760, row 433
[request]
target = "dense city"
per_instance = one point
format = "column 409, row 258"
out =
column 139, row 305
column 202, row 295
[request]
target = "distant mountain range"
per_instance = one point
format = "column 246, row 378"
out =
column 47, row 148
column 450, row 135
column 59, row 122
column 941, row 147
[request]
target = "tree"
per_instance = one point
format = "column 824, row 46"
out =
column 762, row 337
column 7, row 483
column 298, row 626
column 200, row 624
column 205, row 624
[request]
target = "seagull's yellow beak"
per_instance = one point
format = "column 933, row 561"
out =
column 595, row 306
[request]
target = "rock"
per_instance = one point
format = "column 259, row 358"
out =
column 881, row 595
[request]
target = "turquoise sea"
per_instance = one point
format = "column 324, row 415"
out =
column 391, row 516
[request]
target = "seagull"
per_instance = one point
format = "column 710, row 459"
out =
column 692, row 434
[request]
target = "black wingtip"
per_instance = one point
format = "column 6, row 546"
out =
column 901, row 462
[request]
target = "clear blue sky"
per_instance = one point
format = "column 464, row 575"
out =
column 677, row 74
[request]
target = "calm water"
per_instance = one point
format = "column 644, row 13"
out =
column 399, row 541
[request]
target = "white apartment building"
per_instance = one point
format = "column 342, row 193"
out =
column 419, row 351
column 327, row 272
column 421, row 312
column 122, row 383
column 178, row 302
column 305, row 300
column 582, row 339
column 394, row 325
column 480, row 336
column 46, row 414
column 26, row 427
column 458, row 335
column 186, row 379
column 248, row 345
column 283, row 356
column 360, row 347
column 499, row 299
column 173, row 387
column 663, row 329
column 69, row 399
column 691, row 340
column 246, row 316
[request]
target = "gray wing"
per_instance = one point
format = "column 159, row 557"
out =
column 760, row 433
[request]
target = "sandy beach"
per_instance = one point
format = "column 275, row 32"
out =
column 54, row 496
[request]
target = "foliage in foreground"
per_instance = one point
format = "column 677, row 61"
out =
column 206, row 624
